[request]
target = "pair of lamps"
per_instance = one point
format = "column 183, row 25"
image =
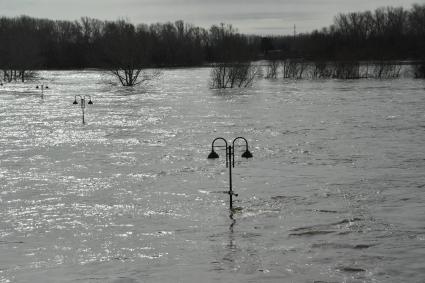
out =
column 230, row 160
column 82, row 103
column 82, row 100
column 43, row 87
column 247, row 154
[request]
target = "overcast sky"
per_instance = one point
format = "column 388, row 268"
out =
column 261, row 17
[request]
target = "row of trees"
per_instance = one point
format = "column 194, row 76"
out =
column 384, row 34
column 300, row 69
column 125, row 49
column 358, row 45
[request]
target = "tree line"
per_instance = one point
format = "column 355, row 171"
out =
column 384, row 34
column 28, row 43
column 125, row 49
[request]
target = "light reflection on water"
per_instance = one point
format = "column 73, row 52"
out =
column 334, row 192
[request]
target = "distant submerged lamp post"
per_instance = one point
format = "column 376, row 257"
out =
column 230, row 160
column 42, row 89
column 82, row 103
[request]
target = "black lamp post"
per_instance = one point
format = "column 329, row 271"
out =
column 82, row 103
column 230, row 160
column 42, row 89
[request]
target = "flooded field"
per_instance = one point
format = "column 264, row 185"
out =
column 335, row 191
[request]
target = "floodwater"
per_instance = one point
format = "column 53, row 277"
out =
column 334, row 193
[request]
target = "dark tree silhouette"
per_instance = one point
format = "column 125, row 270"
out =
column 231, row 51
column 19, row 48
column 126, row 52
column 381, row 36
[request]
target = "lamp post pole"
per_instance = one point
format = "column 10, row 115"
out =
column 230, row 178
column 82, row 103
column 230, row 161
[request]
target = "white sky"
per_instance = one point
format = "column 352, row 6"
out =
column 261, row 17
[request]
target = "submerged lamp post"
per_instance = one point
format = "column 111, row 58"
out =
column 230, row 160
column 42, row 89
column 82, row 103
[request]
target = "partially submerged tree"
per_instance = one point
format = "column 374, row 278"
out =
column 293, row 68
column 321, row 70
column 127, row 53
column 419, row 70
column 229, row 76
column 130, row 77
column 346, row 70
column 19, row 48
column 272, row 68
column 386, row 70
column 230, row 50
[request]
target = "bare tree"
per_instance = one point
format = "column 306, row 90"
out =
column 19, row 49
column 386, row 70
column 127, row 53
column 419, row 70
column 134, row 77
column 240, row 75
column 272, row 69
column 321, row 70
column 346, row 70
column 230, row 50
column 294, row 69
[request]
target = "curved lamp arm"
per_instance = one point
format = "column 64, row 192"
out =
column 90, row 102
column 214, row 155
column 247, row 154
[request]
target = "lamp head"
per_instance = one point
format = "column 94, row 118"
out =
column 90, row 102
column 212, row 155
column 36, row 87
column 75, row 102
column 247, row 154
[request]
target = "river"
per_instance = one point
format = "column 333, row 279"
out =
column 334, row 192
